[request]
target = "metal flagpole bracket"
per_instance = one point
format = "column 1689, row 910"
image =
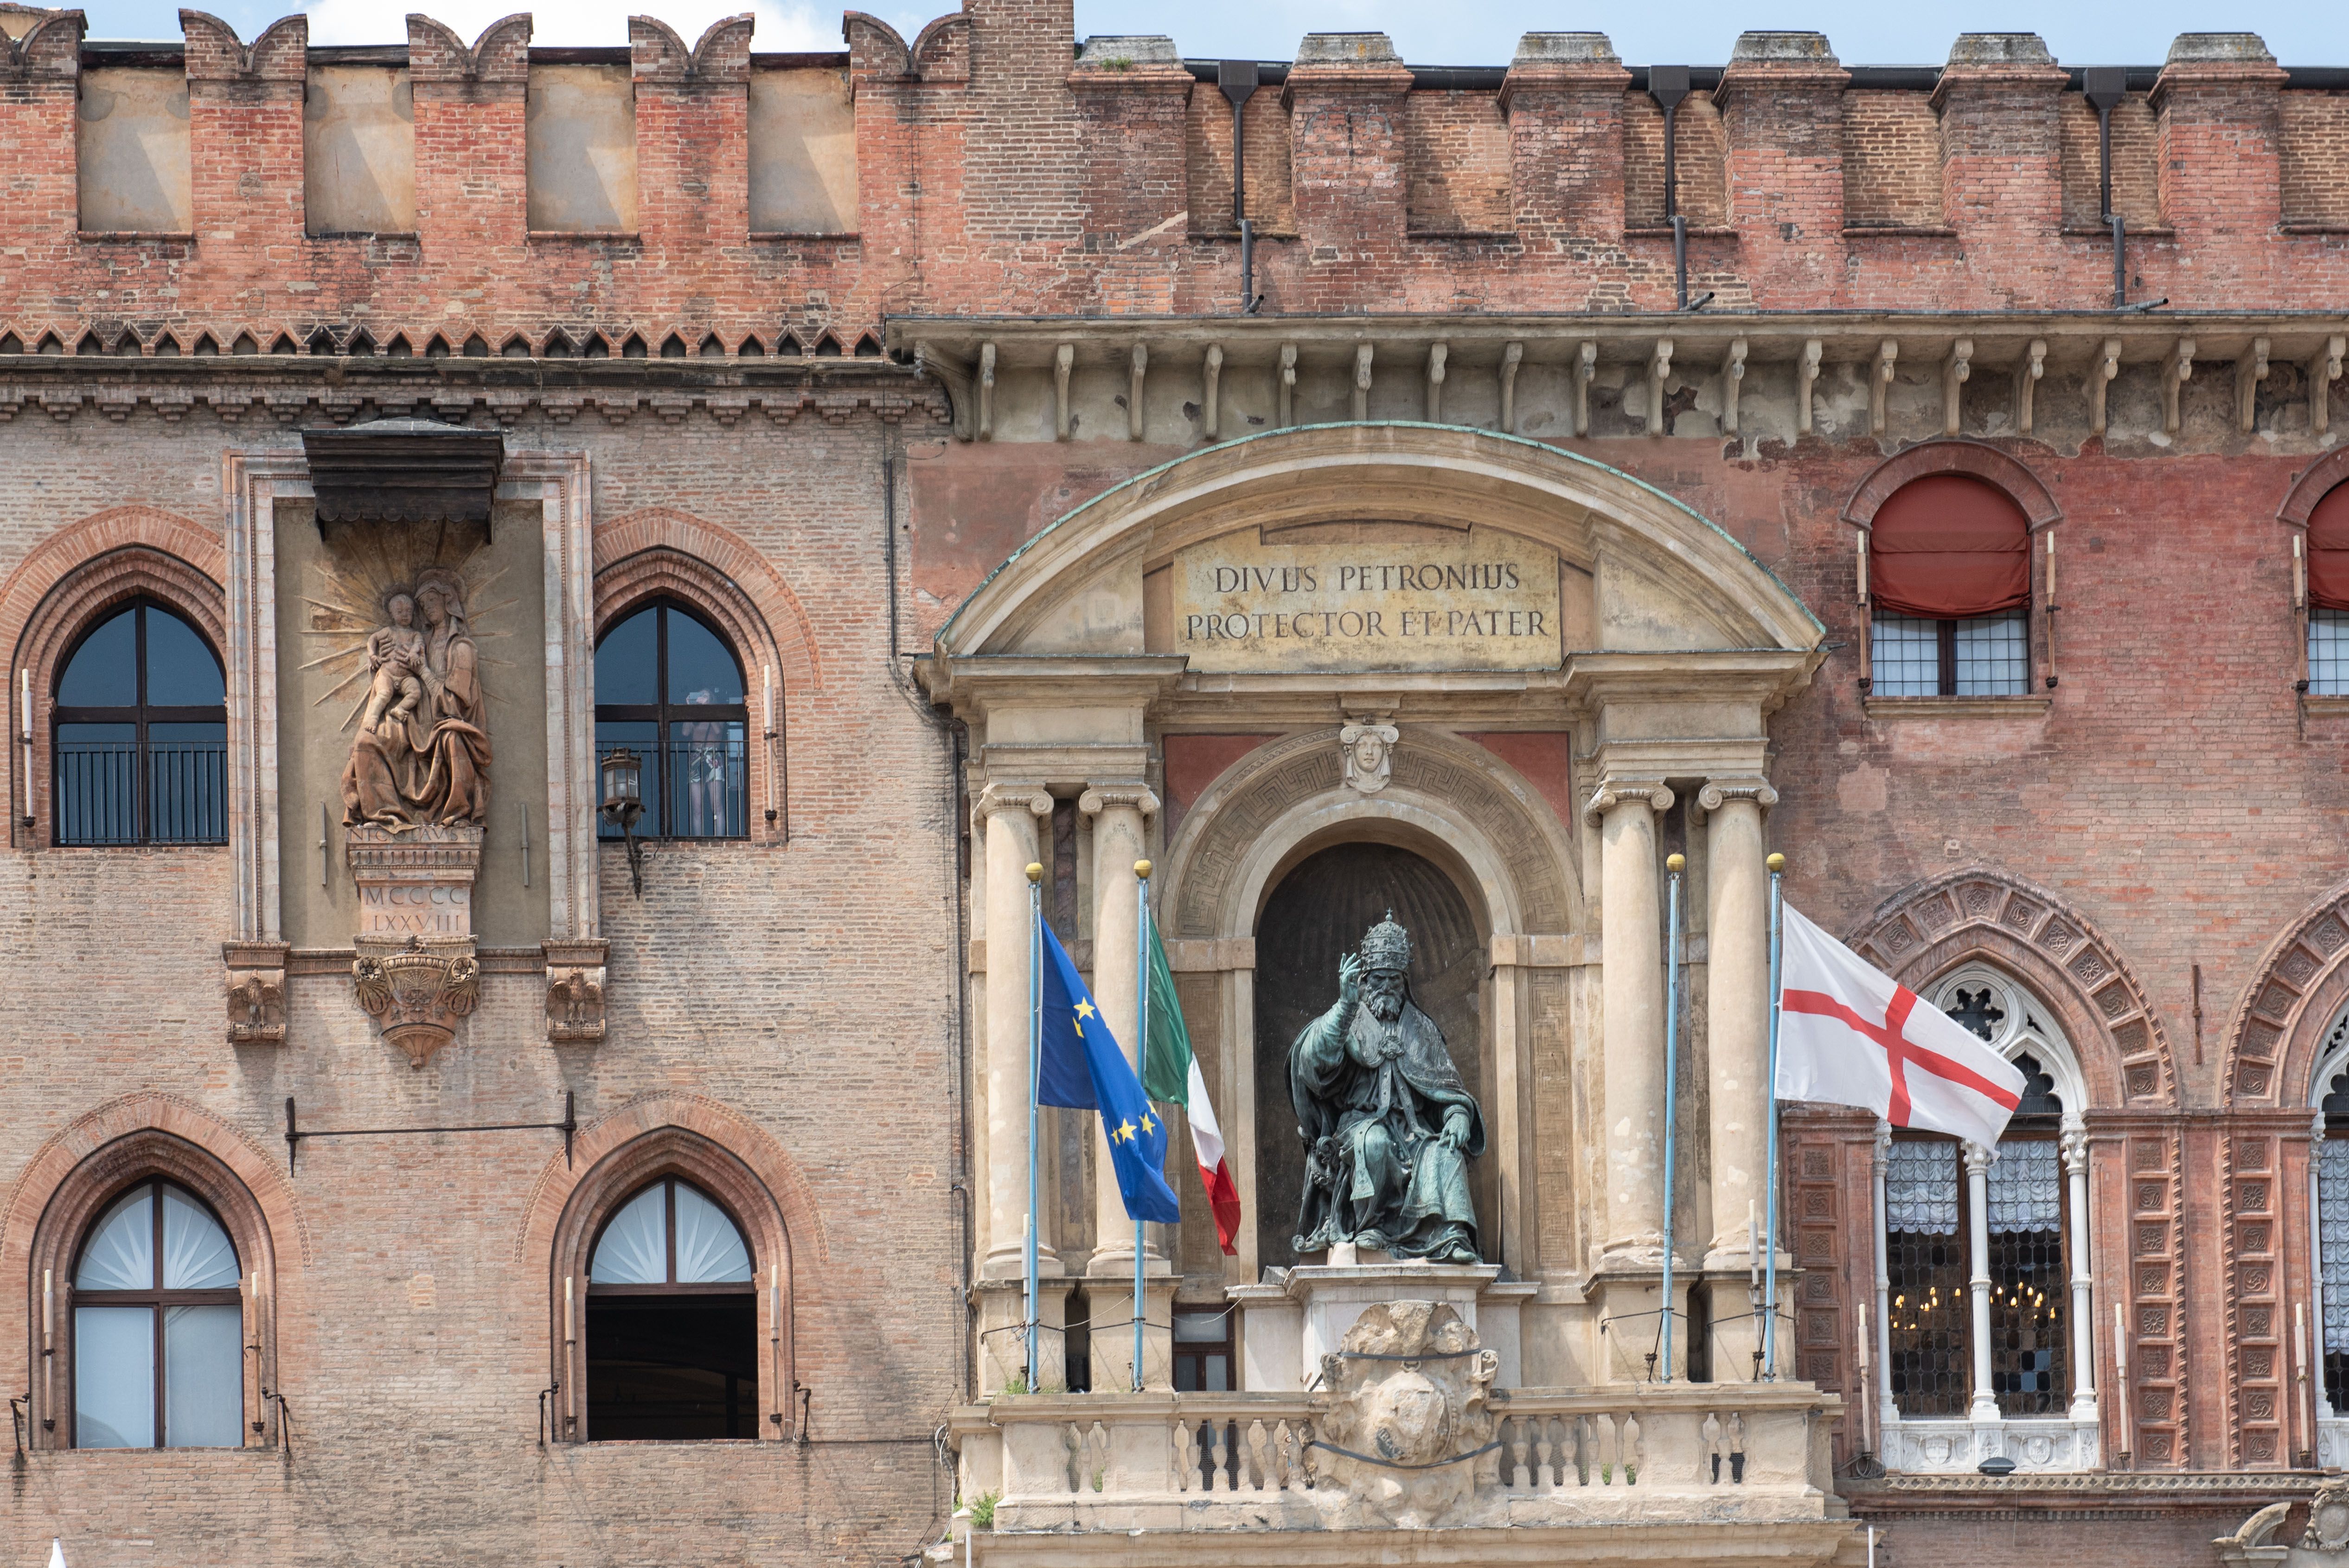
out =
column 295, row 1134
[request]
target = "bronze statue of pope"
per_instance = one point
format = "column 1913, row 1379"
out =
column 1389, row 1128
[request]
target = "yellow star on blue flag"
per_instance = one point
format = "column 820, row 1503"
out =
column 1083, row 1070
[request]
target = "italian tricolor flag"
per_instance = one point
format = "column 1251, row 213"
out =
column 1170, row 1075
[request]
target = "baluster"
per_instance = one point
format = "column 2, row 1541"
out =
column 1073, row 1454
column 1635, row 1449
column 1219, row 1457
column 1577, row 1454
column 1708, row 1464
column 1179, row 1435
column 1603, row 1425
column 1259, row 1466
column 1097, row 1458
column 1547, row 1453
column 1737, row 1446
column 1521, row 1479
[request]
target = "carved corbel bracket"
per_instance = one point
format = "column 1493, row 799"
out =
column 1733, row 378
column 1956, row 371
column 1063, row 360
column 956, row 376
column 1137, row 373
column 1287, row 379
column 1878, row 380
column 575, row 990
column 1807, row 375
column 1586, row 367
column 2174, row 378
column 256, row 991
column 2250, row 369
column 1436, row 355
column 1512, row 355
column 1361, row 382
column 1654, row 794
column 2323, row 370
column 2027, row 375
column 1211, row 381
column 1659, row 370
column 2100, row 372
column 417, row 990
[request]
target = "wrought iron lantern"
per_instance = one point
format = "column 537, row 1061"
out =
column 623, row 805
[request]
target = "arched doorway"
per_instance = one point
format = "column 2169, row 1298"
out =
column 1316, row 915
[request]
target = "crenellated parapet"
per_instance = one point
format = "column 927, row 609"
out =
column 536, row 198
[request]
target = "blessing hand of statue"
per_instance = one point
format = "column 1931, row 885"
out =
column 1349, row 978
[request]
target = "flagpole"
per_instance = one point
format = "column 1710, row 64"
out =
column 1141, row 1065
column 1035, row 1071
column 1673, row 864
column 1778, row 864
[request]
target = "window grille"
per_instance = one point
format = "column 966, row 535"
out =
column 2328, row 653
column 1987, row 655
column 140, row 735
column 1926, row 1257
column 2028, row 1280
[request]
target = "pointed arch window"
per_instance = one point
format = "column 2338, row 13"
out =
column 158, row 1326
column 140, row 734
column 672, row 1321
column 670, row 689
column 1985, row 1294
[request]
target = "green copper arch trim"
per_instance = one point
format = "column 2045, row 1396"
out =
column 1576, row 459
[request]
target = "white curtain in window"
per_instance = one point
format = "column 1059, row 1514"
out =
column 635, row 1248
column 203, row 1376
column 1921, row 1188
column 2333, row 1237
column 197, row 1254
column 709, row 1249
column 120, row 1254
column 2026, row 1186
column 114, row 1376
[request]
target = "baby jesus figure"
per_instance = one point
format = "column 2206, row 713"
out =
column 394, row 653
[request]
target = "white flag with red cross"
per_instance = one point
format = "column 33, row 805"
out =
column 1849, row 1033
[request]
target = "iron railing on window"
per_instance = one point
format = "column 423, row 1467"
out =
column 101, row 786
column 693, row 789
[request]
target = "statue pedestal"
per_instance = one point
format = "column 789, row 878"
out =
column 414, row 969
column 1288, row 1323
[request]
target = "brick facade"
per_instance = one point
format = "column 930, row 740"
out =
column 2162, row 834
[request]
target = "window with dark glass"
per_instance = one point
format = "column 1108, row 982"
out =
column 669, row 689
column 140, row 735
column 1925, row 1249
column 2328, row 594
column 1948, row 580
column 158, row 1326
column 672, row 1321
column 1202, row 1353
column 2030, row 1283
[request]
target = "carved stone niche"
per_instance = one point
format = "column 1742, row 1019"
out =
column 256, row 991
column 415, row 969
column 575, row 990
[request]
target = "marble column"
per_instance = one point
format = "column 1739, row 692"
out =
column 1738, row 1010
column 1120, row 813
column 1887, row 1413
column 1984, row 1406
column 1632, row 994
column 2075, row 1144
column 1010, row 812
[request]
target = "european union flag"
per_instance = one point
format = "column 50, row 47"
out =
column 1081, row 1067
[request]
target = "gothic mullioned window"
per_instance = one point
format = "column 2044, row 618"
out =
column 672, row 1321
column 141, row 735
column 2010, row 1217
column 2333, row 1217
column 1948, row 579
column 669, row 689
column 158, row 1341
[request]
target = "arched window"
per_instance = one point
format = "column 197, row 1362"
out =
column 2328, row 594
column 141, row 734
column 1948, row 578
column 2014, row 1217
column 669, row 689
column 158, row 1326
column 672, row 1321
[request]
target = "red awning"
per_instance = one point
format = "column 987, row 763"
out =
column 1948, row 547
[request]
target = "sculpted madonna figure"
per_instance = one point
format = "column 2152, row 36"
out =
column 425, row 763
column 1389, row 1126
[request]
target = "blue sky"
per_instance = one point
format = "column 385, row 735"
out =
column 1462, row 32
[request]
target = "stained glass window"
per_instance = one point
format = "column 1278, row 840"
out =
column 1925, row 1252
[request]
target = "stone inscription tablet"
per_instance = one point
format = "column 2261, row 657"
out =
column 1479, row 600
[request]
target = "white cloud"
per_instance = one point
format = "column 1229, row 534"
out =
column 778, row 28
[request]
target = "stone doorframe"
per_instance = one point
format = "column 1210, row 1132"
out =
column 1050, row 661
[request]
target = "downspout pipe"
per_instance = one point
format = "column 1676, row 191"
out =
column 2103, row 87
column 1668, row 85
column 1238, row 79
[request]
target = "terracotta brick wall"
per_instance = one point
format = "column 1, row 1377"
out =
column 1457, row 162
column 2136, row 195
column 1209, row 162
column 1697, row 161
column 2315, row 156
column 1891, row 161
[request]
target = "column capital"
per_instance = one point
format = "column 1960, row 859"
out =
column 1100, row 798
column 1719, row 792
column 996, row 799
column 2073, row 1141
column 1651, row 793
column 1978, row 1159
column 1881, row 1147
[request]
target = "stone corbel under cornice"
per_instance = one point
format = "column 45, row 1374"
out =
column 971, row 684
